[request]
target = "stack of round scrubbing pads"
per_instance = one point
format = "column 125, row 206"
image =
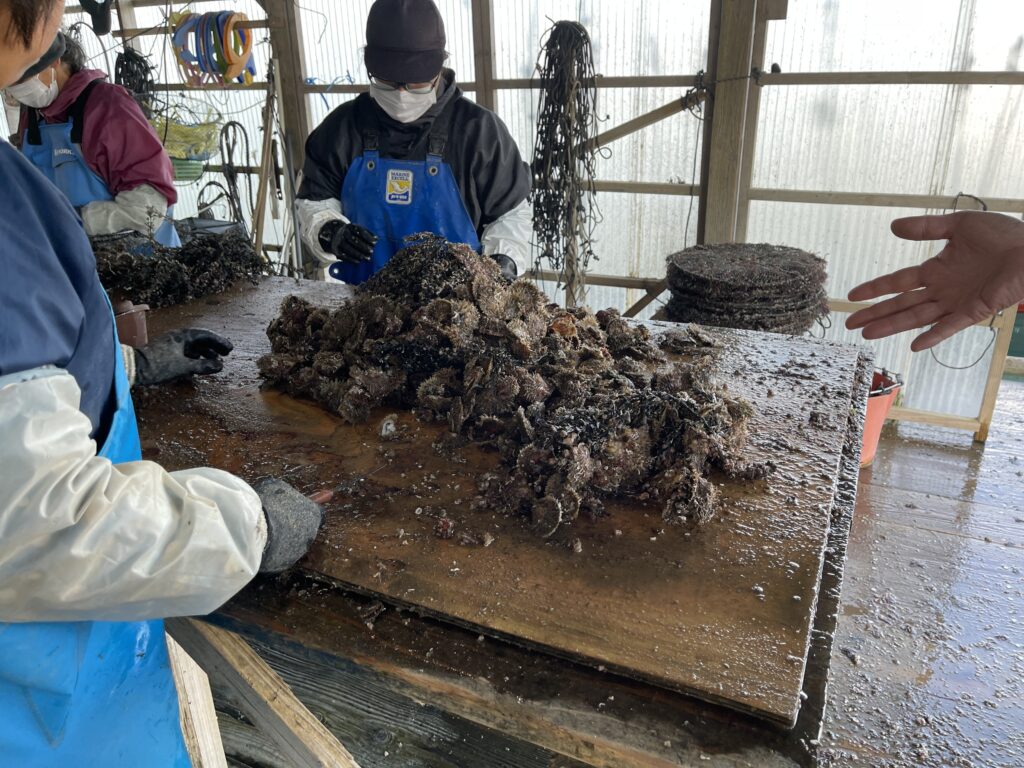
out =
column 745, row 285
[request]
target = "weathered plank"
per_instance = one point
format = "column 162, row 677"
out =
column 195, row 708
column 723, row 612
column 262, row 695
column 381, row 726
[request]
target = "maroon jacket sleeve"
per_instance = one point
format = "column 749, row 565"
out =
column 121, row 146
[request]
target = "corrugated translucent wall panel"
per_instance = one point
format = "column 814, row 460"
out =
column 629, row 37
column 879, row 35
column 854, row 138
column 986, row 156
column 915, row 139
column 335, row 33
column 921, row 139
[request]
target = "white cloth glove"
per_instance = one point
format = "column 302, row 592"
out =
column 510, row 234
column 84, row 539
column 142, row 209
column 312, row 215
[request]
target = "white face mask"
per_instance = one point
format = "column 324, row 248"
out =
column 402, row 105
column 33, row 93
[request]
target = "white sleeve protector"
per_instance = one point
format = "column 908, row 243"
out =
column 142, row 209
column 510, row 234
column 312, row 215
column 84, row 539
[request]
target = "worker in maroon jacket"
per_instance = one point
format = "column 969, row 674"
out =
column 92, row 140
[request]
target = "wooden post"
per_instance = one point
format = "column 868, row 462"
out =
column 259, row 215
column 1001, row 349
column 714, row 30
column 767, row 10
column 483, row 53
column 287, row 43
column 731, row 96
column 262, row 695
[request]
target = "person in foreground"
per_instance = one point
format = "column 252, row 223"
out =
column 978, row 273
column 97, row 545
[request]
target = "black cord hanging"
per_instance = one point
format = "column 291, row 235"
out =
column 565, row 210
column 134, row 72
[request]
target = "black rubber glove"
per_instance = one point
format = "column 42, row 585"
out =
column 293, row 521
column 509, row 270
column 180, row 353
column 351, row 243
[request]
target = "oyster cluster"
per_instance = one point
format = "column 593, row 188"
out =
column 582, row 406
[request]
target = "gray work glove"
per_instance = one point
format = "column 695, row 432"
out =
column 180, row 353
column 350, row 242
column 292, row 523
column 508, row 267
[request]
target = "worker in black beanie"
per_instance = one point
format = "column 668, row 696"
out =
column 411, row 155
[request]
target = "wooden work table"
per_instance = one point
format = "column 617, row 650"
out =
column 403, row 683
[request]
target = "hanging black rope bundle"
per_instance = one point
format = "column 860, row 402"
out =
column 134, row 72
column 564, row 208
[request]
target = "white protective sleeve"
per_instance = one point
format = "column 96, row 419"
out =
column 142, row 209
column 510, row 234
column 83, row 539
column 312, row 215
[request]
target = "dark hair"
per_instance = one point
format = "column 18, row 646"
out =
column 74, row 54
column 25, row 16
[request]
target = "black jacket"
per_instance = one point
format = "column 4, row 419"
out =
column 489, row 172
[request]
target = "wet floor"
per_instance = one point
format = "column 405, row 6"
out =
column 928, row 667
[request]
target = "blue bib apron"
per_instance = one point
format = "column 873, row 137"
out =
column 91, row 694
column 397, row 198
column 55, row 149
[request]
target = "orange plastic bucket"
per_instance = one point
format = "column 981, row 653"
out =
column 885, row 387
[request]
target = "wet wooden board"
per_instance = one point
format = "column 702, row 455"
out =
column 722, row 612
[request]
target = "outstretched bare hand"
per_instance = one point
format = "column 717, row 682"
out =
column 979, row 273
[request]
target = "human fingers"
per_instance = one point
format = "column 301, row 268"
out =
column 917, row 316
column 942, row 330
column 901, row 280
column 924, row 227
column 903, row 301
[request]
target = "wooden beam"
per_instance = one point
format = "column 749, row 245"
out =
column 1004, row 335
column 892, row 78
column 884, row 199
column 483, row 52
column 936, row 419
column 613, row 281
column 195, row 706
column 261, row 694
column 647, row 187
column 656, row 115
column 602, row 81
column 735, row 59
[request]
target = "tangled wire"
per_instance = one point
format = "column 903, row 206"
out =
column 564, row 207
